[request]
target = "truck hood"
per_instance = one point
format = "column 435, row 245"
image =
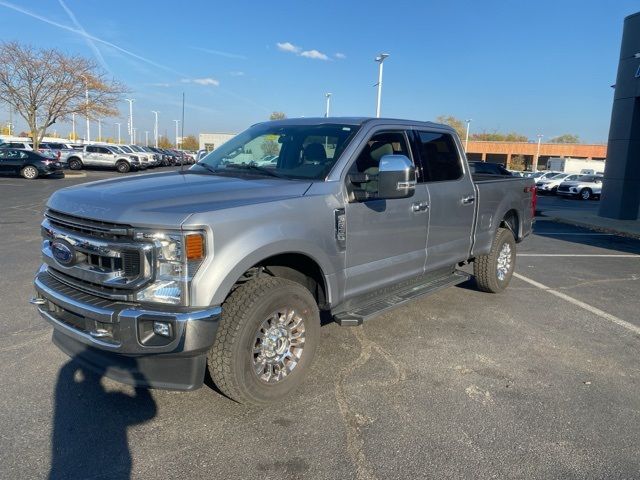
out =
column 167, row 199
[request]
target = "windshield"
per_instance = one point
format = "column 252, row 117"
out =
column 589, row 178
column 135, row 148
column 126, row 149
column 290, row 151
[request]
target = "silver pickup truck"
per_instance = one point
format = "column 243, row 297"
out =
column 230, row 264
column 102, row 156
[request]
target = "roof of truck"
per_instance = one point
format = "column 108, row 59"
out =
column 356, row 121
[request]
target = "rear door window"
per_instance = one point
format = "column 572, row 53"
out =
column 439, row 156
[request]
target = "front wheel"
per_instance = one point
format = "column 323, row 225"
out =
column 74, row 164
column 493, row 271
column 123, row 167
column 585, row 194
column 29, row 172
column 266, row 340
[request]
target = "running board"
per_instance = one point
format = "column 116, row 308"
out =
column 397, row 298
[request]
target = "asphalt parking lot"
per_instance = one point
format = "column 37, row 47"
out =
column 542, row 381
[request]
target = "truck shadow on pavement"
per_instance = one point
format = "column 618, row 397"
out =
column 89, row 438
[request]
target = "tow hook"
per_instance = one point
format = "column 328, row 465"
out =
column 37, row 301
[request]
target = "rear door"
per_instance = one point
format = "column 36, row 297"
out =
column 385, row 241
column 11, row 160
column 452, row 199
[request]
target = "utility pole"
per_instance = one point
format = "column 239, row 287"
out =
column 155, row 128
column 130, row 100
column 535, row 163
column 177, row 123
column 380, row 58
column 134, row 139
column 73, row 126
column 146, row 138
column 466, row 138
column 118, row 125
column 86, row 108
column 328, row 96
column 99, row 130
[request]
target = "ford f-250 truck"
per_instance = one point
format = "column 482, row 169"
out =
column 150, row 279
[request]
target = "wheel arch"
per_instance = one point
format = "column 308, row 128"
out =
column 511, row 220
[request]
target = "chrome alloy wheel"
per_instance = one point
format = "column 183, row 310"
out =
column 278, row 345
column 504, row 262
column 30, row 172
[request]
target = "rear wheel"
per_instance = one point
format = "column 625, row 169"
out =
column 266, row 340
column 29, row 172
column 493, row 271
column 586, row 193
column 123, row 167
column 74, row 164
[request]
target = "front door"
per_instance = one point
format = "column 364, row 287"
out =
column 11, row 160
column 452, row 200
column 386, row 239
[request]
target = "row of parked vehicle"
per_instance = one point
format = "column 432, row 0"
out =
column 576, row 185
column 19, row 157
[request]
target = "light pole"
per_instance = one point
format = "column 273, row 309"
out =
column 328, row 97
column 118, row 125
column 535, row 163
column 380, row 58
column 177, row 123
column 73, row 126
column 130, row 100
column 146, row 138
column 86, row 105
column 466, row 138
column 155, row 128
column 99, row 130
column 134, row 139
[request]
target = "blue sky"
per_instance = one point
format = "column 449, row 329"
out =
column 531, row 67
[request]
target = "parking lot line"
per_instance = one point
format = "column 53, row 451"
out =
column 578, row 303
column 604, row 255
column 577, row 233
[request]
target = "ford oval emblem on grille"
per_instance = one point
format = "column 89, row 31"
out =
column 63, row 253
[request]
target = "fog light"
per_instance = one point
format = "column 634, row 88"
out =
column 162, row 329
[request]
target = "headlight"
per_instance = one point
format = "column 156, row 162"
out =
column 178, row 258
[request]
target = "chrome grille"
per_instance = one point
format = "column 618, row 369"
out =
column 94, row 228
column 563, row 188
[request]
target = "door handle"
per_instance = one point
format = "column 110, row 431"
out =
column 468, row 200
column 419, row 206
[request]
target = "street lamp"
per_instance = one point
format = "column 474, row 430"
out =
column 535, row 164
column 380, row 58
column 466, row 139
column 134, row 139
column 328, row 96
column 130, row 100
column 118, row 125
column 155, row 127
column 73, row 126
column 177, row 122
column 146, row 138
column 99, row 130
column 86, row 104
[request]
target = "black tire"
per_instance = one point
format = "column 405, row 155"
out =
column 122, row 166
column 74, row 164
column 485, row 267
column 29, row 172
column 586, row 194
column 232, row 356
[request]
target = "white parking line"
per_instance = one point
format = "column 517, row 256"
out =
column 603, row 255
column 607, row 316
column 576, row 233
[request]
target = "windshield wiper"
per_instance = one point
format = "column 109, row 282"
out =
column 250, row 166
column 207, row 166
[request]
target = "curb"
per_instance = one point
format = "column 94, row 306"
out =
column 592, row 227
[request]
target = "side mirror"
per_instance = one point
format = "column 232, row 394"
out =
column 396, row 177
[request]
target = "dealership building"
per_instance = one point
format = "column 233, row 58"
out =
column 211, row 141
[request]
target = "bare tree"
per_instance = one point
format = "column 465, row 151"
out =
column 277, row 116
column 46, row 86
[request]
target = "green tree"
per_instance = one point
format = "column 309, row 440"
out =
column 566, row 138
column 277, row 116
column 164, row 142
column 499, row 137
column 190, row 142
column 45, row 86
column 453, row 122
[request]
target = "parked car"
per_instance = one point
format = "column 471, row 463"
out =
column 103, row 156
column 585, row 187
column 550, row 184
column 229, row 264
column 62, row 150
column 27, row 163
column 150, row 158
column 488, row 168
column 143, row 159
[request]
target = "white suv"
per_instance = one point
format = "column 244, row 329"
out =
column 584, row 187
column 551, row 184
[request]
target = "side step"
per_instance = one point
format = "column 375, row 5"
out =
column 378, row 305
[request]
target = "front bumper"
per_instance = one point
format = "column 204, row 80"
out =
column 116, row 339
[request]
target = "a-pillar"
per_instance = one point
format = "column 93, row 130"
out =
column 621, row 189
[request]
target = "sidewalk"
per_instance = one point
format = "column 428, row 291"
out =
column 590, row 220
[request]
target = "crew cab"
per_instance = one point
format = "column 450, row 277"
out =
column 584, row 187
column 102, row 156
column 228, row 265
